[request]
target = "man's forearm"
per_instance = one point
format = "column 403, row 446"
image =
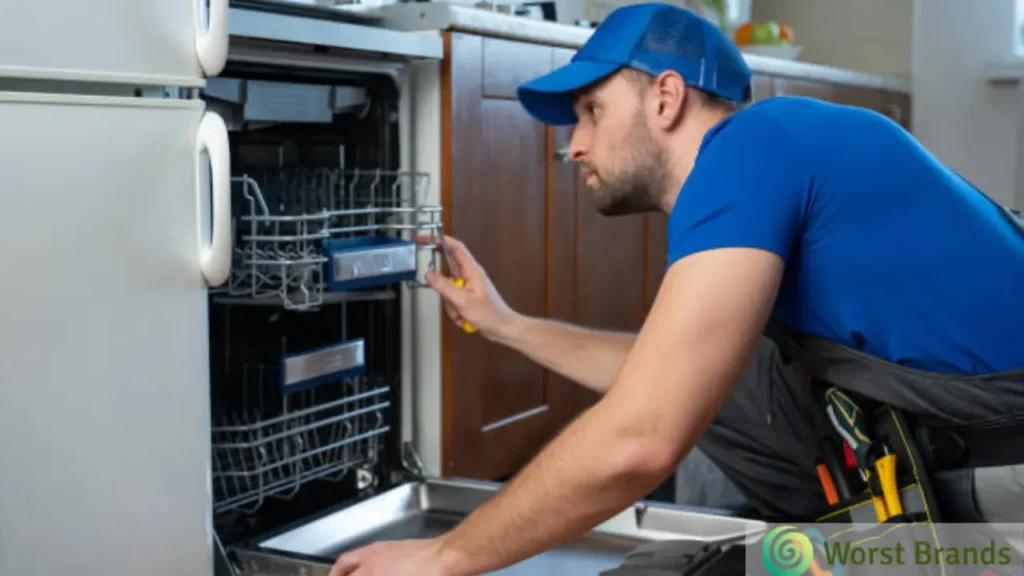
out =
column 559, row 495
column 591, row 358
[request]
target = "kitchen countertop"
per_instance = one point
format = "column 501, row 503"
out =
column 435, row 16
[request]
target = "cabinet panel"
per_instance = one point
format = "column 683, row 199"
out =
column 656, row 254
column 610, row 270
column 498, row 405
column 810, row 89
column 895, row 105
column 507, row 64
column 510, row 245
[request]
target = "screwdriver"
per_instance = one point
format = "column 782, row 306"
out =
column 885, row 467
column 831, row 495
column 459, row 281
column 835, row 469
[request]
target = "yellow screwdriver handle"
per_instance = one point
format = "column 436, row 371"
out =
column 880, row 510
column 468, row 328
column 886, row 469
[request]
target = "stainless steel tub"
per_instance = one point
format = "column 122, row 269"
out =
column 426, row 509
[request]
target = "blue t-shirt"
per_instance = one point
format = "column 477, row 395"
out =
column 886, row 250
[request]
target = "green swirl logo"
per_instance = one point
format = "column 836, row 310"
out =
column 787, row 552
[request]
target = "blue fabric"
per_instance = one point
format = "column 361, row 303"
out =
column 887, row 250
column 650, row 37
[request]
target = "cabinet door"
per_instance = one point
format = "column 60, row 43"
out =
column 808, row 88
column 499, row 406
column 895, row 105
column 104, row 371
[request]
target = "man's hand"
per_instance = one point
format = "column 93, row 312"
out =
column 478, row 301
column 402, row 558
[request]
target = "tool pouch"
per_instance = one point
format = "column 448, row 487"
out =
column 918, row 529
column 888, row 427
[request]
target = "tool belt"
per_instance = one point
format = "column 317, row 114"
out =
column 877, row 460
column 861, row 468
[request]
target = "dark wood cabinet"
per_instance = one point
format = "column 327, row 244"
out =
column 530, row 220
column 895, row 105
column 498, row 406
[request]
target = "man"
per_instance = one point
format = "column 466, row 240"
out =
column 823, row 219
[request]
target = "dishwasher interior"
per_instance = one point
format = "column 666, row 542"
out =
column 305, row 352
column 307, row 457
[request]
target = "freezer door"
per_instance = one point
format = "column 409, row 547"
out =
column 104, row 378
column 158, row 42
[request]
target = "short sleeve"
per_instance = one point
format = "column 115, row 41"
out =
column 750, row 187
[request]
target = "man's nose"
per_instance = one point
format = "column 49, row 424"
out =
column 577, row 144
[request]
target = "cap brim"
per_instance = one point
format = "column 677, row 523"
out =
column 549, row 98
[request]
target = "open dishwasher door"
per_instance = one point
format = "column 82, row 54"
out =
column 428, row 508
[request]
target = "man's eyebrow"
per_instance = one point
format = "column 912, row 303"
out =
column 581, row 93
column 581, row 96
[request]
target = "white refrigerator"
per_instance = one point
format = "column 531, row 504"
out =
column 109, row 244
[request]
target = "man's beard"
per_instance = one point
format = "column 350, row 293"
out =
column 639, row 187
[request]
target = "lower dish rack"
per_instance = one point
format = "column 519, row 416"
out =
column 270, row 451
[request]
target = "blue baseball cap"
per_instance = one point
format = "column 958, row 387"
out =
column 649, row 37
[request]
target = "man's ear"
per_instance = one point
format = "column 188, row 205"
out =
column 669, row 93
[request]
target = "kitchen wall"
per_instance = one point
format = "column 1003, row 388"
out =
column 870, row 35
column 958, row 114
column 944, row 47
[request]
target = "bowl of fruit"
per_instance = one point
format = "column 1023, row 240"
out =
column 770, row 39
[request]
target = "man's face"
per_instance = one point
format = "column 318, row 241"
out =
column 622, row 163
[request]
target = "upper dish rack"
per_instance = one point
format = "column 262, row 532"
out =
column 306, row 236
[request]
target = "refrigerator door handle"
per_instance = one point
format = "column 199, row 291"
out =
column 215, row 257
column 212, row 41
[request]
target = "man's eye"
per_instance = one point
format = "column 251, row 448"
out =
column 591, row 109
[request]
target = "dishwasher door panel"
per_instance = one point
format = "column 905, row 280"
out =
column 432, row 507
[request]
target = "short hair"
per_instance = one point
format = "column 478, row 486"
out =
column 643, row 81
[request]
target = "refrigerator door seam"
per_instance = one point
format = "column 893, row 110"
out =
column 92, row 100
